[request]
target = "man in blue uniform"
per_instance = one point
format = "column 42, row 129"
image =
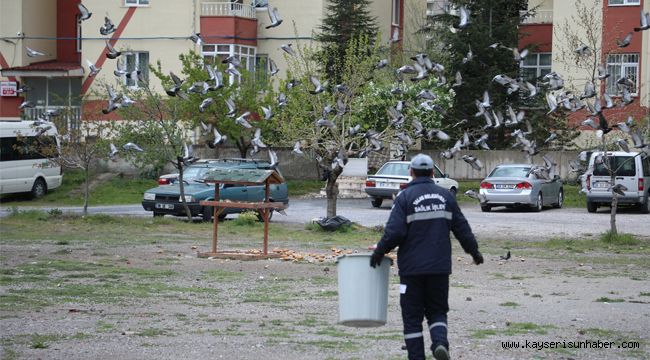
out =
column 419, row 223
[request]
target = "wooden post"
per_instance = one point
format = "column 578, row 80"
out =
column 215, row 219
column 267, row 211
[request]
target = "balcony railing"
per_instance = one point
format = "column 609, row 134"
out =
column 227, row 9
column 539, row 17
column 69, row 118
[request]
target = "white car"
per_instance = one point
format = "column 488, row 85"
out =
column 393, row 177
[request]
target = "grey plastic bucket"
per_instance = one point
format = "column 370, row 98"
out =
column 363, row 291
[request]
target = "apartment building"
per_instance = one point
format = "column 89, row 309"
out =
column 147, row 31
column 616, row 18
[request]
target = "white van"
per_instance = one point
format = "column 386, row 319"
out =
column 632, row 171
column 23, row 170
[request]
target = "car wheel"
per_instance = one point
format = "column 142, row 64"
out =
column 645, row 207
column 560, row 200
column 206, row 213
column 592, row 206
column 261, row 218
column 539, row 205
column 157, row 214
column 376, row 202
column 454, row 191
column 39, row 189
column 486, row 208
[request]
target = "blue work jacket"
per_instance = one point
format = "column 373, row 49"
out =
column 422, row 216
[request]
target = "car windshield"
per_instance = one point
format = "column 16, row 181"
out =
column 510, row 171
column 624, row 166
column 398, row 169
column 194, row 172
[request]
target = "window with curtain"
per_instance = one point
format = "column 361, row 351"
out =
column 622, row 65
column 136, row 61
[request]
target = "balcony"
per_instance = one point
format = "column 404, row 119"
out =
column 228, row 23
column 227, row 9
column 539, row 17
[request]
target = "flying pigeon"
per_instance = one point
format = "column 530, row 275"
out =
column 464, row 18
column 112, row 53
column 626, row 40
column 602, row 72
column 395, row 36
column 618, row 189
column 196, row 38
column 288, row 49
column 622, row 143
column 318, row 88
column 273, row 67
column 113, row 151
column 131, row 146
column 381, row 64
column 205, row 103
column 26, row 104
column 94, row 70
column 231, row 107
column 273, row 159
column 33, row 53
column 85, row 14
column 583, row 50
column 241, row 120
column 218, row 138
column 176, row 88
column 645, row 22
column 473, row 162
column 458, row 80
column 297, row 148
column 275, row 18
column 108, row 27
column 268, row 113
column 506, row 257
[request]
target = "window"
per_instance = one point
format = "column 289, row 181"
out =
column 79, row 36
column 620, row 65
column 623, row 2
column 136, row 2
column 396, row 12
column 136, row 61
column 535, row 66
column 215, row 53
column 624, row 166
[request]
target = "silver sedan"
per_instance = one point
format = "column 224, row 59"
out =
column 520, row 185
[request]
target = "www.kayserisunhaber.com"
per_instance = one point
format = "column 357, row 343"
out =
column 564, row 344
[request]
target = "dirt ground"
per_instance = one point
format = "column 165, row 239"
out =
column 162, row 302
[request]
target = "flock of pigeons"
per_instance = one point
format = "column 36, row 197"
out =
column 404, row 130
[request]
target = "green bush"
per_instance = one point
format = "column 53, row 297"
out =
column 246, row 218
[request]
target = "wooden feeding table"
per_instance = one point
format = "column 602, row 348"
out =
column 247, row 177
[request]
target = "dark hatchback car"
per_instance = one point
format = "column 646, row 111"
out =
column 165, row 199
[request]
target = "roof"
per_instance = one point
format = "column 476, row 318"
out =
column 243, row 176
column 46, row 68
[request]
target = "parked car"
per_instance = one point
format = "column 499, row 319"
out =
column 165, row 199
column 513, row 185
column 632, row 171
column 393, row 176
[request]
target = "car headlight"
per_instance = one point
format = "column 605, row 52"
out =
column 149, row 196
column 188, row 198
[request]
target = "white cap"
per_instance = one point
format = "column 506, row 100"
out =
column 422, row 162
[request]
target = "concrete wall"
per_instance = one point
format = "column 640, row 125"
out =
column 35, row 24
column 295, row 167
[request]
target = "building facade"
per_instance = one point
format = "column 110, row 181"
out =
column 147, row 31
column 546, row 33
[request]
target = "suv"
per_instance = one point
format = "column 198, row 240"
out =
column 393, row 176
column 165, row 199
column 632, row 171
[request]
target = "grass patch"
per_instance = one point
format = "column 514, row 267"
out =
column 118, row 190
column 104, row 327
column 513, row 329
column 333, row 332
column 644, row 294
column 151, row 332
column 223, row 275
column 304, row 187
column 509, row 304
column 609, row 300
column 619, row 239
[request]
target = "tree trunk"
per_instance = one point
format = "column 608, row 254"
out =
column 86, row 190
column 242, row 146
column 332, row 191
column 181, row 185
